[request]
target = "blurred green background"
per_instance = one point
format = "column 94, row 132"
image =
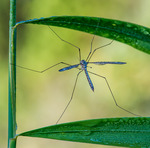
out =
column 41, row 98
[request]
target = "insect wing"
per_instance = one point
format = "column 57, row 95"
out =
column 103, row 63
column 69, row 67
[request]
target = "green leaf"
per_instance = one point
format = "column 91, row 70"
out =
column 127, row 132
column 132, row 34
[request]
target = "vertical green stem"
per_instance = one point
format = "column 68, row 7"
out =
column 12, row 77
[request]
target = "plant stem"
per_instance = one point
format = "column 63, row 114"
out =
column 12, row 77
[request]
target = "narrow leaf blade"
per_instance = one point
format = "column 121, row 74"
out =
column 127, row 132
column 132, row 34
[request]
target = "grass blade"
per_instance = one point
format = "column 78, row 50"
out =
column 127, row 132
column 132, row 34
column 12, row 77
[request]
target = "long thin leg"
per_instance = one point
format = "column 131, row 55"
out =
column 67, row 42
column 92, row 43
column 70, row 98
column 99, row 48
column 113, row 94
column 42, row 70
column 90, row 48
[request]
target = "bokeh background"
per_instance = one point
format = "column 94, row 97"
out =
column 41, row 98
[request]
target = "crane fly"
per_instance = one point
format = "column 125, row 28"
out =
column 83, row 67
column 84, row 64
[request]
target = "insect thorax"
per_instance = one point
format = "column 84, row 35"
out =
column 83, row 64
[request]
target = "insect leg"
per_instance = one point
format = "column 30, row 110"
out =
column 42, row 70
column 67, row 42
column 87, row 59
column 90, row 48
column 113, row 94
column 70, row 98
column 99, row 48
